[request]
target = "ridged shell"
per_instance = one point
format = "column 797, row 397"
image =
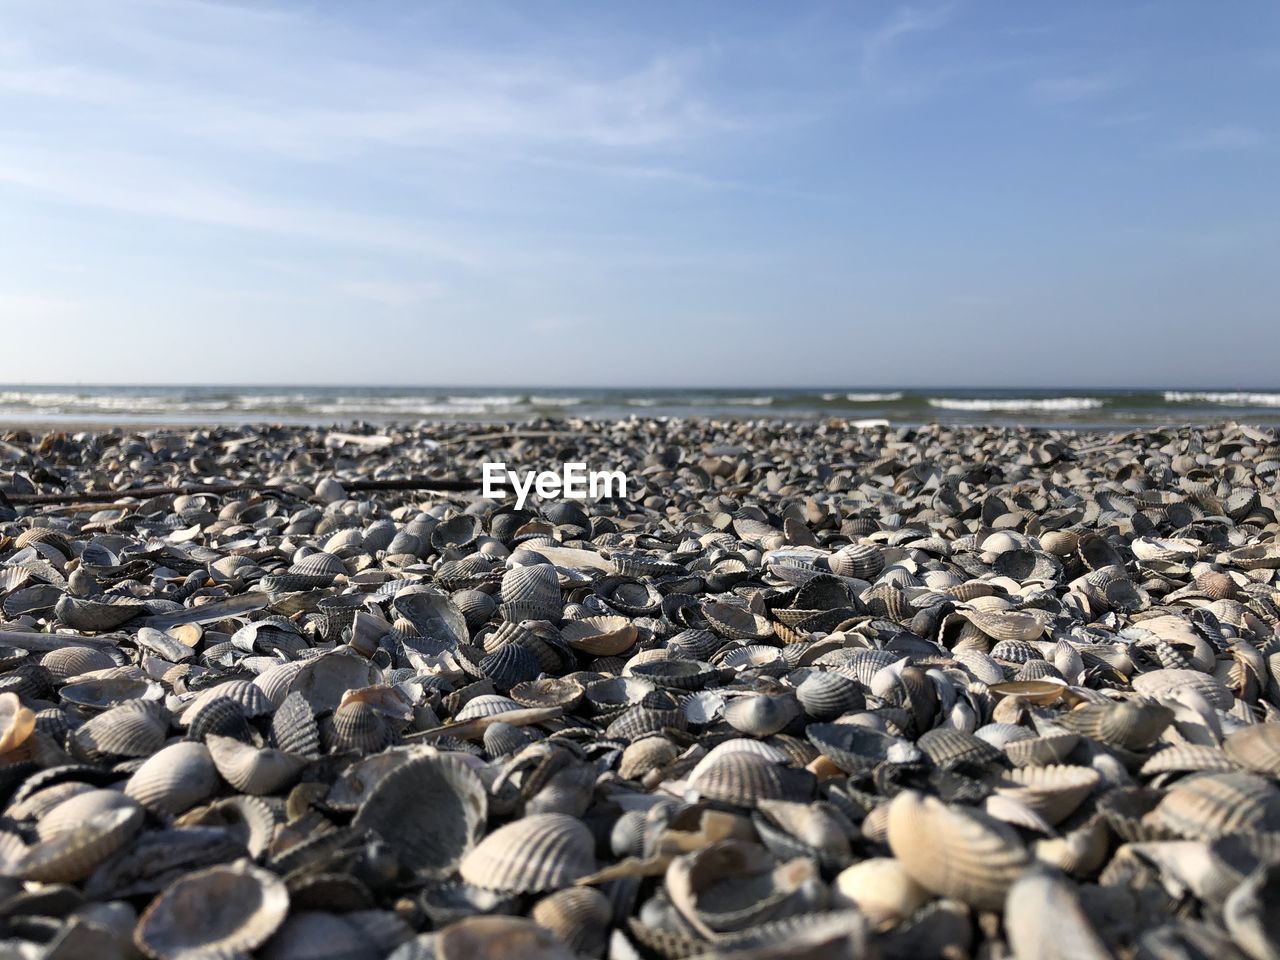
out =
column 1041, row 751
column 1187, row 757
column 432, row 808
column 542, row 852
column 955, row 852
column 248, row 819
column 600, row 636
column 863, row 561
column 67, row 662
column 580, row 916
column 1053, row 792
column 828, row 695
column 323, row 566
column 1166, row 683
column 743, row 779
column 174, row 779
column 531, row 593
column 74, row 854
column 1212, row 805
column 357, row 726
column 1121, row 724
column 253, row 770
column 250, row 906
column 857, row 749
column 294, row 729
column 104, row 613
column 881, row 889
column 1256, row 748
column 1006, row 624
column 253, row 700
column 134, row 729
column 948, row 747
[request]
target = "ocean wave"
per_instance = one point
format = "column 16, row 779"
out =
column 1233, row 398
column 497, row 400
column 1020, row 404
column 748, row 401
column 538, row 401
column 642, row 402
column 870, row 397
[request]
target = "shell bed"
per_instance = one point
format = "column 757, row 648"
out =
column 811, row 691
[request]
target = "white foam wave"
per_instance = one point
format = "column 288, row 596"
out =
column 749, row 401
column 1232, row 398
column 498, row 400
column 539, row 401
column 871, row 397
column 1019, row 404
column 642, row 402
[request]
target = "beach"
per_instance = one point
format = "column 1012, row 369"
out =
column 807, row 685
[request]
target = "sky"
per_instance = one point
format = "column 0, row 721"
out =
column 665, row 194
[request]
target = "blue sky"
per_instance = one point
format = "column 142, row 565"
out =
column 966, row 193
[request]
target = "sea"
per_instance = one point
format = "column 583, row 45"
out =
column 214, row 404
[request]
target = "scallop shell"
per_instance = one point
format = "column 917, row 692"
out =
column 531, row 593
column 1041, row 751
column 541, row 852
column 433, row 808
column 1122, row 723
column 74, row 853
column 134, row 729
column 955, row 852
column 579, row 916
column 252, row 769
column 175, row 779
column 179, row 923
column 1166, row 683
column 1256, row 748
column 1053, row 792
column 827, row 695
column 1211, row 805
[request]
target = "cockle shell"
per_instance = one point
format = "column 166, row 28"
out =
column 955, row 851
column 252, row 769
column 175, row 778
column 542, row 852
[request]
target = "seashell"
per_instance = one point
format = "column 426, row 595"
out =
column 174, row 779
column 949, row 748
column 67, row 662
column 134, row 729
column 1250, row 916
column 248, row 820
column 359, row 727
column 251, row 905
column 531, row 593
column 742, row 779
column 736, row 623
column 1045, row 920
column 487, row 938
column 223, row 717
column 72, row 812
column 856, row 749
column 645, row 754
column 1053, row 792
column 294, row 729
column 881, row 889
column 1187, row 757
column 75, row 852
column 541, row 852
column 732, row 885
column 1010, row 625
column 310, row 934
column 862, row 561
column 815, row 830
column 579, row 916
column 1041, row 751
column 1167, row 683
column 253, row 770
column 510, row 665
column 99, row 615
column 1122, row 723
column 486, row 705
column 549, row 692
column 954, row 851
column 1212, row 805
column 827, row 695
column 16, row 723
column 1256, row 748
column 759, row 715
column 433, row 808
column 600, row 636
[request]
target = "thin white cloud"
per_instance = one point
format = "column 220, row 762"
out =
column 904, row 22
column 1227, row 138
column 393, row 294
column 1075, row 88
